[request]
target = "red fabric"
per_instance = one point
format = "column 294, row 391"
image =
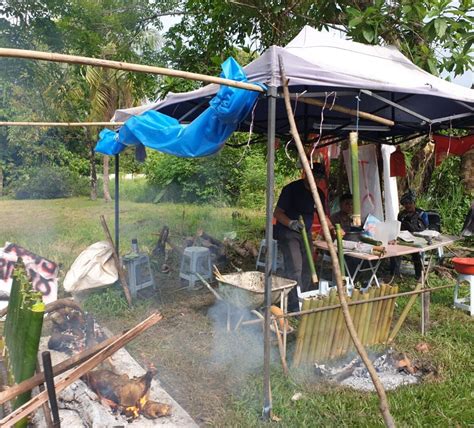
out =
column 446, row 146
column 397, row 164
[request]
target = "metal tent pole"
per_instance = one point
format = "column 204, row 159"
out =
column 267, row 395
column 117, row 202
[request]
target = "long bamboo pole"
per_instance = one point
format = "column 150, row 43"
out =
column 354, row 155
column 79, row 371
column 349, row 111
column 389, row 422
column 119, row 65
column 61, row 124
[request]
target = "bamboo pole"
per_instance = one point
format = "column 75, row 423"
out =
column 358, row 320
column 356, row 295
column 354, row 154
column 309, row 332
column 328, row 328
column 118, row 264
column 80, row 371
column 392, row 312
column 349, row 111
column 58, row 369
column 368, row 319
column 380, row 312
column 364, row 315
column 119, row 65
column 388, row 316
column 309, row 255
column 389, row 422
column 280, row 347
column 301, row 334
column 323, row 323
column 404, row 314
column 316, row 336
column 338, row 333
column 62, row 124
column 340, row 249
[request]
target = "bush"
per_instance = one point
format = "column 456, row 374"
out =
column 50, row 182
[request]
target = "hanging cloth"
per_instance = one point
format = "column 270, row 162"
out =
column 397, row 164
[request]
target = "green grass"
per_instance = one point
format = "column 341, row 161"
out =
column 60, row 229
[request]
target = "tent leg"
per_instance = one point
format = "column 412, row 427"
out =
column 267, row 396
column 116, row 203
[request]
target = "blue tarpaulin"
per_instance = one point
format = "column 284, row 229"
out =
column 204, row 136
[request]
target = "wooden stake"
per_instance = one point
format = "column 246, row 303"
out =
column 79, row 371
column 121, row 273
column 58, row 369
column 384, row 409
column 82, row 60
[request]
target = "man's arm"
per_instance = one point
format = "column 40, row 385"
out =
column 281, row 217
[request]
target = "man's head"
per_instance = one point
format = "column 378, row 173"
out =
column 319, row 172
column 346, row 204
column 408, row 200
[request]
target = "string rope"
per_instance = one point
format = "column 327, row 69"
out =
column 247, row 146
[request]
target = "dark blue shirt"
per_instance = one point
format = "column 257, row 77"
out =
column 295, row 200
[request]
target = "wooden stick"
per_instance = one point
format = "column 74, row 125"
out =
column 118, row 65
column 389, row 422
column 58, row 369
column 121, row 273
column 79, row 371
column 62, row 124
column 349, row 111
column 216, row 294
column 280, row 347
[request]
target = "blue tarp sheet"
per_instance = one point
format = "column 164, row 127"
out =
column 204, row 136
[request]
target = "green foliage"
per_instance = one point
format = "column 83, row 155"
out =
column 49, row 183
column 446, row 195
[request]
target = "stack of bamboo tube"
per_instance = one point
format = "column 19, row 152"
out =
column 23, row 327
column 323, row 335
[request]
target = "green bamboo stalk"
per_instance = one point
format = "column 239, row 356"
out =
column 301, row 334
column 338, row 332
column 375, row 317
column 368, row 320
column 309, row 332
column 340, row 249
column 347, row 338
column 31, row 346
column 364, row 314
column 384, row 290
column 354, row 153
column 385, row 315
column 358, row 319
column 329, row 328
column 323, row 326
column 309, row 255
column 391, row 311
column 316, row 336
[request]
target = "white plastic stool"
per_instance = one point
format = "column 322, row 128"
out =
column 466, row 303
column 277, row 259
column 195, row 260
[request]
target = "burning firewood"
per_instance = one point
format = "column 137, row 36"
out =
column 128, row 396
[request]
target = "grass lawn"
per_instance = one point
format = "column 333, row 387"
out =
column 180, row 346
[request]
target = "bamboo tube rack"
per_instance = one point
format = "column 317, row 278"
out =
column 323, row 334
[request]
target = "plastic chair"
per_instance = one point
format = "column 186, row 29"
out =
column 466, row 303
column 277, row 258
column 195, row 260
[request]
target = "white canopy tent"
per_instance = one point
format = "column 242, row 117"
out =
column 375, row 79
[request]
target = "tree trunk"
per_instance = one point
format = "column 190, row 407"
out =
column 93, row 171
column 467, row 171
column 106, row 183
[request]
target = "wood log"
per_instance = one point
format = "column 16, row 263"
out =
column 58, row 369
column 81, row 370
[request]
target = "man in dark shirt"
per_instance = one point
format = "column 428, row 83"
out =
column 296, row 200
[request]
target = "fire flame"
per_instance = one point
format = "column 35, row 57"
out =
column 134, row 411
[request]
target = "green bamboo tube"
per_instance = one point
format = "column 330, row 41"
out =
column 338, row 334
column 309, row 254
column 385, row 316
column 322, row 333
column 358, row 319
column 21, row 330
column 340, row 250
column 301, row 334
column 384, row 290
column 375, row 318
column 390, row 311
column 316, row 337
column 346, row 342
column 354, row 153
column 31, row 346
column 309, row 332
column 368, row 320
column 328, row 327
column 363, row 315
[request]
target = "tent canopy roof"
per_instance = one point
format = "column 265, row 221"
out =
column 375, row 79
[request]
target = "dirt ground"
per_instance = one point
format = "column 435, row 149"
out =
column 199, row 363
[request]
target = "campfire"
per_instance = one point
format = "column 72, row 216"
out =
column 126, row 396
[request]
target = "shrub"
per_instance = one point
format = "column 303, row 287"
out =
column 49, row 182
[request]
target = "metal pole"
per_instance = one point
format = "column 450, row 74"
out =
column 116, row 203
column 49, row 380
column 267, row 394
